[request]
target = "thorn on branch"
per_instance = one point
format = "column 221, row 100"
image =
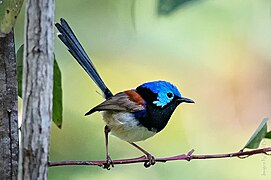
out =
column 189, row 155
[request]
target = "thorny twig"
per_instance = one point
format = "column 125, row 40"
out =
column 188, row 157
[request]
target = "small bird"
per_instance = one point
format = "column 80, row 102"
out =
column 132, row 115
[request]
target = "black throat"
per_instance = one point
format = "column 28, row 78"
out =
column 154, row 118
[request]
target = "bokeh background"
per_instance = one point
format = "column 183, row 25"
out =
column 218, row 52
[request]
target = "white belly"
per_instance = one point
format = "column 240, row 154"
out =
column 124, row 126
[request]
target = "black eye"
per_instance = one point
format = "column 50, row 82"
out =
column 169, row 95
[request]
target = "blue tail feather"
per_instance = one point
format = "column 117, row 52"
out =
column 77, row 51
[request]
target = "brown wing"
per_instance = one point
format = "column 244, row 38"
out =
column 122, row 101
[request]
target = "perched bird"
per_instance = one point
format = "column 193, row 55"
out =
column 132, row 115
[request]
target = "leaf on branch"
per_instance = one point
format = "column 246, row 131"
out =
column 57, row 96
column 57, row 88
column 268, row 135
column 9, row 11
column 166, row 7
column 258, row 135
column 19, row 63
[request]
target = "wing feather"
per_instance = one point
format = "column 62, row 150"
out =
column 119, row 102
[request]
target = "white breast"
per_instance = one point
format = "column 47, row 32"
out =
column 124, row 126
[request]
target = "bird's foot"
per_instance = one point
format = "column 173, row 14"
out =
column 109, row 163
column 150, row 162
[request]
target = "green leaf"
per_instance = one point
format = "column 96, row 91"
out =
column 57, row 88
column 259, row 134
column 268, row 135
column 19, row 63
column 9, row 11
column 166, row 7
column 57, row 96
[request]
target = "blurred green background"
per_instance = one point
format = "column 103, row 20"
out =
column 217, row 52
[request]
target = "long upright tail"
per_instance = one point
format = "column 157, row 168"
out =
column 77, row 51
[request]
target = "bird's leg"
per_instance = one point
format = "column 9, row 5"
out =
column 149, row 156
column 109, row 161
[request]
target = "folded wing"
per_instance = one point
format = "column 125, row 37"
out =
column 128, row 101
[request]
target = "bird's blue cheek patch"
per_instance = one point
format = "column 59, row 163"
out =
column 162, row 100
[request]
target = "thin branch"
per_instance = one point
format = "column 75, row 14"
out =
column 189, row 156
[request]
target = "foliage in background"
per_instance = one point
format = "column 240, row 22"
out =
column 258, row 135
column 166, row 7
column 9, row 11
column 57, row 89
column 57, row 96
column 19, row 63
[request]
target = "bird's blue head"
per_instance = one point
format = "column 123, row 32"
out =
column 161, row 93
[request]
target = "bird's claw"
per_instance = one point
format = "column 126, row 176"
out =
column 150, row 162
column 109, row 163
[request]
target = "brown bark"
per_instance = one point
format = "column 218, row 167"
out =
column 37, row 89
column 8, row 109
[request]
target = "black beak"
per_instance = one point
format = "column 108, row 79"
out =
column 186, row 100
